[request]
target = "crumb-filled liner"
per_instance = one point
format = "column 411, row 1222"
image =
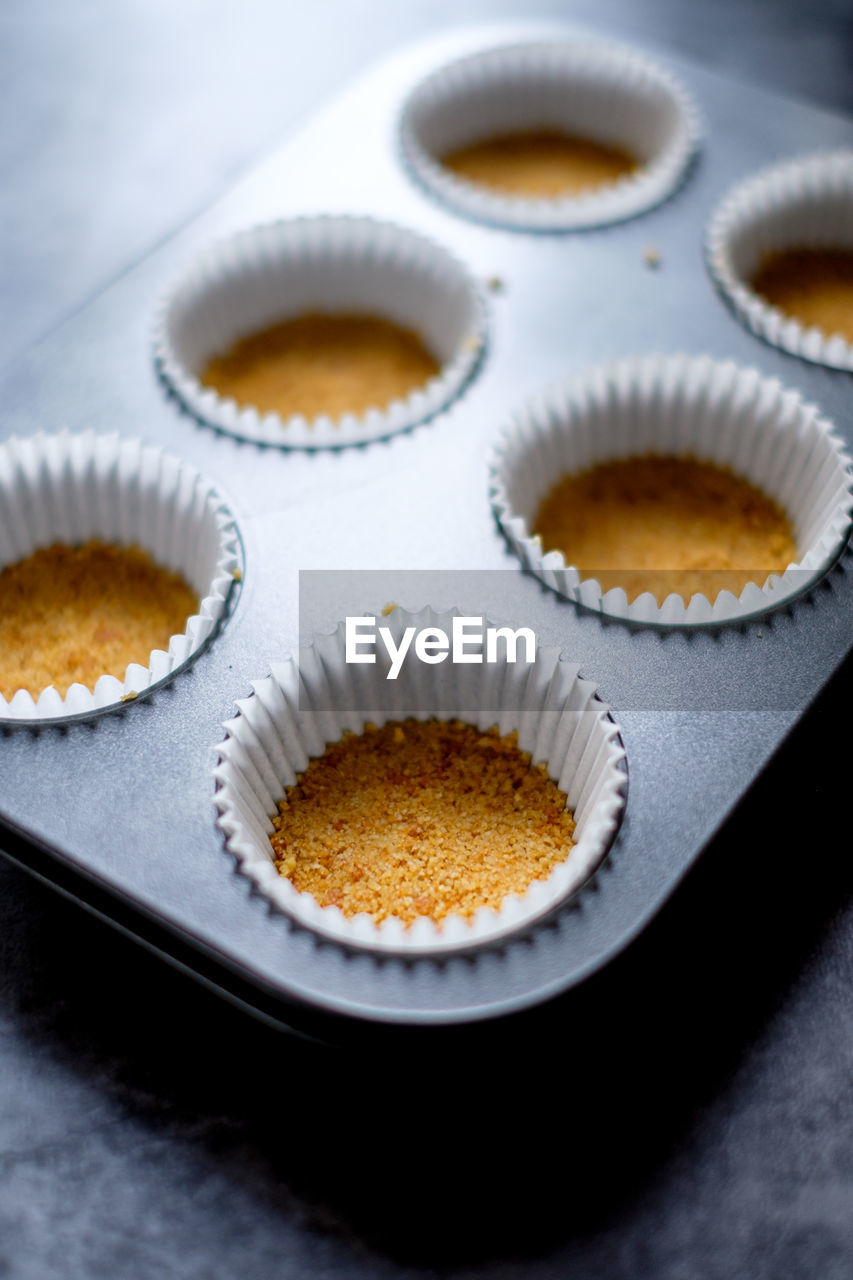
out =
column 75, row 488
column 682, row 406
column 312, row 699
column 595, row 90
column 805, row 203
column 338, row 265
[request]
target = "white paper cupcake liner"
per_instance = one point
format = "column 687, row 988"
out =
column 309, row 702
column 595, row 90
column 806, row 203
column 714, row 411
column 339, row 265
column 72, row 488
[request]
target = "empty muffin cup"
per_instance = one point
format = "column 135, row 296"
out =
column 307, row 273
column 594, row 96
column 680, row 407
column 802, row 207
column 316, row 698
column 105, row 493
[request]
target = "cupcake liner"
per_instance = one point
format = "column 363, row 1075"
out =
column 72, row 488
column 278, row 271
column 806, row 203
column 312, row 699
column 596, row 90
column 714, row 411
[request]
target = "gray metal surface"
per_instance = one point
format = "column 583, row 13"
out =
column 127, row 800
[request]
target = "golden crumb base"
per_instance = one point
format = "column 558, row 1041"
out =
column 815, row 286
column 421, row 818
column 69, row 615
column 318, row 364
column 665, row 525
column 541, row 164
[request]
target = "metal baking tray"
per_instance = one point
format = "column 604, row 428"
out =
column 119, row 813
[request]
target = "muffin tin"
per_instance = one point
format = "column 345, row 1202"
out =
column 120, row 811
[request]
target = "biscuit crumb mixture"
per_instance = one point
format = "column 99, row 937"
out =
column 421, row 819
column 542, row 164
column 72, row 614
column 319, row 364
column 665, row 525
column 815, row 286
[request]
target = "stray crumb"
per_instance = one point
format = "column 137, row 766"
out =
column 472, row 342
column 389, row 608
column 237, row 575
column 496, row 285
column 760, row 634
column 652, row 256
column 129, row 697
column 421, row 818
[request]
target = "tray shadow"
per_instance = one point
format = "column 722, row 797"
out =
column 553, row 1132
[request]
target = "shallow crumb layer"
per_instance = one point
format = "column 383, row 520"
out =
column 318, row 364
column 421, row 819
column 815, row 286
column 72, row 614
column 541, row 164
column 666, row 525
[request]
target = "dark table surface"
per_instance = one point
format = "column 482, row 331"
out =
column 687, row 1113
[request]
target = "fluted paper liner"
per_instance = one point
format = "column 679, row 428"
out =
column 72, row 488
column 805, row 203
column 275, row 272
column 592, row 89
column 309, row 701
column 686, row 406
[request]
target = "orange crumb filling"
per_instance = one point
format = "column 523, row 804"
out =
column 815, row 286
column 665, row 525
column 319, row 364
column 541, row 163
column 421, row 819
column 72, row 614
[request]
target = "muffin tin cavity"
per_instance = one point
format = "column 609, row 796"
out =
column 74, row 489
column 802, row 204
column 313, row 699
column 679, row 406
column 338, row 266
column 588, row 90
